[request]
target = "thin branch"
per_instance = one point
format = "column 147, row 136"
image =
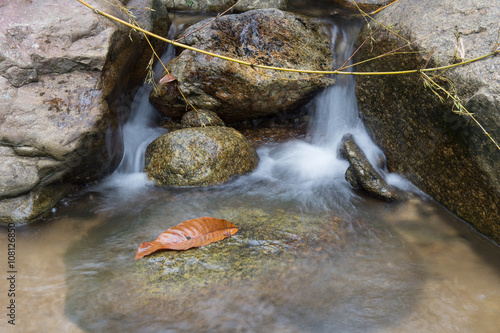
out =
column 246, row 63
column 458, row 103
column 155, row 54
column 378, row 10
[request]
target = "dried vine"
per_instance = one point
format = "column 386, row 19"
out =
column 422, row 71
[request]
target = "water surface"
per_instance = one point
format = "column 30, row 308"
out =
column 312, row 255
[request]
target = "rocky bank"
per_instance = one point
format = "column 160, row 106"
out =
column 64, row 71
column 445, row 154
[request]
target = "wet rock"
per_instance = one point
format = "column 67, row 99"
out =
column 236, row 92
column 30, row 205
column 220, row 5
column 365, row 5
column 352, row 179
column 445, row 154
column 201, row 118
column 200, row 156
column 245, row 5
column 361, row 173
column 61, row 80
column 284, row 261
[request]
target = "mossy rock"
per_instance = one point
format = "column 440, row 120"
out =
column 200, row 156
column 201, row 118
column 282, row 263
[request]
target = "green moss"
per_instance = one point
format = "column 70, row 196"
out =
column 264, row 242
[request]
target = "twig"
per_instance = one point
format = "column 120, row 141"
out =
column 369, row 36
column 246, row 63
column 458, row 103
column 378, row 10
column 137, row 27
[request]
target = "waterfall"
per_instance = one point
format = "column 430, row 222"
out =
column 335, row 110
column 311, row 172
column 138, row 132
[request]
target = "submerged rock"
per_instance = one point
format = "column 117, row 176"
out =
column 445, row 154
column 219, row 5
column 288, row 269
column 362, row 175
column 237, row 92
column 199, row 156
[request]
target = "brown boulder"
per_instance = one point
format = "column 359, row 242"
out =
column 237, row 92
column 199, row 156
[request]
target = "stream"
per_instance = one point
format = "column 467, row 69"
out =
column 311, row 255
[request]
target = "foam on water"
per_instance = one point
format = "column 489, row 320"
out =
column 138, row 132
column 309, row 171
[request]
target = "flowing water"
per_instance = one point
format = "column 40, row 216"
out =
column 311, row 255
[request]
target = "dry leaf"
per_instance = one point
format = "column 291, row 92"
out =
column 192, row 233
column 167, row 78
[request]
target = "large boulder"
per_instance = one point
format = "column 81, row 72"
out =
column 445, row 154
column 199, row 156
column 62, row 72
column 237, row 92
column 220, row 5
column 365, row 5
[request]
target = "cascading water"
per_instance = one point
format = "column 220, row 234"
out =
column 358, row 265
column 140, row 130
column 310, row 172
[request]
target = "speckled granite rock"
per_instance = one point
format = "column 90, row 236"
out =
column 445, row 154
column 236, row 92
column 199, row 156
column 219, row 5
column 201, row 118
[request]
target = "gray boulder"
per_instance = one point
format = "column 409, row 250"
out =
column 62, row 70
column 443, row 153
column 199, row 156
column 220, row 5
column 237, row 92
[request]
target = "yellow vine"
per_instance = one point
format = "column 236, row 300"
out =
column 495, row 51
column 246, row 63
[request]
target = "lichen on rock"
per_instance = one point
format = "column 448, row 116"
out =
column 199, row 156
column 236, row 92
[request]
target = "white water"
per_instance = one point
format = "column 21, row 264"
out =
column 138, row 132
column 410, row 267
column 311, row 172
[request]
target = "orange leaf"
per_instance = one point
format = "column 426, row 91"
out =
column 192, row 233
column 167, row 78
